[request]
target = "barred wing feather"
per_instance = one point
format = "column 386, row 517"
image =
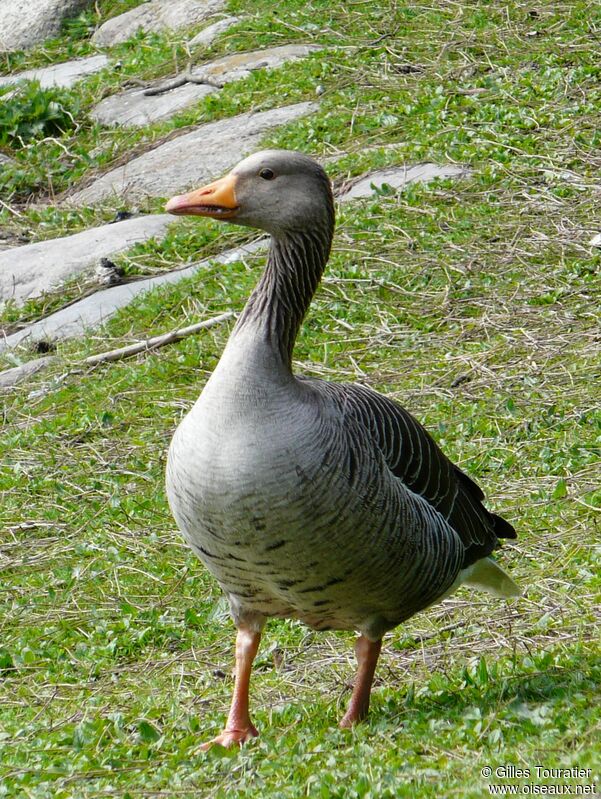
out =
column 415, row 458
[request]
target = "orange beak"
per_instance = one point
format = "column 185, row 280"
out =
column 217, row 200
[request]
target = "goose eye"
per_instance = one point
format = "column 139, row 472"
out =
column 267, row 174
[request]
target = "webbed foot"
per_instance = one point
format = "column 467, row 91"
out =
column 232, row 738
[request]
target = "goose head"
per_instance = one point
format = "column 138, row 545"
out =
column 278, row 191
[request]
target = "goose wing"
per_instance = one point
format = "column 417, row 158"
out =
column 415, row 458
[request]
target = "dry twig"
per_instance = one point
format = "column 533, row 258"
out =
column 187, row 76
column 156, row 341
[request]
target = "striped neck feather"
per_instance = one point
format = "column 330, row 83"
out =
column 279, row 302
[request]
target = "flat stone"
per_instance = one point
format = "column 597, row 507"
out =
column 33, row 269
column 209, row 34
column 95, row 309
column 156, row 16
column 133, row 108
column 25, row 23
column 63, row 75
column 595, row 241
column 191, row 159
column 397, row 177
column 10, row 377
column 240, row 65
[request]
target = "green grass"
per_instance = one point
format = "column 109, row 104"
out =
column 474, row 302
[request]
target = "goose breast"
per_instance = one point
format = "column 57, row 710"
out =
column 296, row 514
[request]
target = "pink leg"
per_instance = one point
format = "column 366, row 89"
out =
column 239, row 728
column 367, row 653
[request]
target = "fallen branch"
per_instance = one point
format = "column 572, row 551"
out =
column 157, row 341
column 180, row 80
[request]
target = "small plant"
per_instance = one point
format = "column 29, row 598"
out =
column 29, row 113
column 79, row 28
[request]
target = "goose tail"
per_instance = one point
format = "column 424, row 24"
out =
column 487, row 575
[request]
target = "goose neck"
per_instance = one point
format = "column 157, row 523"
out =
column 279, row 302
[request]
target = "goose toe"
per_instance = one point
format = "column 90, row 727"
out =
column 229, row 738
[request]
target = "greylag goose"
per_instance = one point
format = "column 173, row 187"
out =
column 324, row 502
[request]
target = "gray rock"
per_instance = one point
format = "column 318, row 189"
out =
column 25, row 23
column 190, row 159
column 157, row 16
column 134, row 108
column 63, row 75
column 240, row 65
column 595, row 241
column 95, row 309
column 32, row 269
column 207, row 35
column 397, row 177
column 10, row 377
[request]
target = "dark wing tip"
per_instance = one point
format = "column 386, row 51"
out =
column 468, row 483
column 502, row 528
